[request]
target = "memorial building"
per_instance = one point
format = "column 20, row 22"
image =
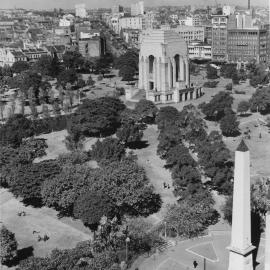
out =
column 164, row 67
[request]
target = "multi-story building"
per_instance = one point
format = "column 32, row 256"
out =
column 208, row 34
column 247, row 44
column 190, row 33
column 228, row 10
column 137, row 8
column 80, row 11
column 90, row 42
column 8, row 56
column 137, row 22
column 221, row 24
column 199, row 50
column 117, row 9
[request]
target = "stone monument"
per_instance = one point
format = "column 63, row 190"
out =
column 164, row 67
column 241, row 249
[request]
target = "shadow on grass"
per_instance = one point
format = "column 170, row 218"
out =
column 22, row 254
column 245, row 115
column 138, row 145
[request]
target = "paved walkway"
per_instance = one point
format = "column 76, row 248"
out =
column 180, row 257
column 154, row 167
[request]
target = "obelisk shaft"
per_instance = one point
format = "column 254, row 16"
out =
column 241, row 248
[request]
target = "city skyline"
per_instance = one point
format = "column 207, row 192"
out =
column 50, row 4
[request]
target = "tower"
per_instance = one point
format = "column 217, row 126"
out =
column 241, row 249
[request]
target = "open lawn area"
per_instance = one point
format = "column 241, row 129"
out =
column 63, row 233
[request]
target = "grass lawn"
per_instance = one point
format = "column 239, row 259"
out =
column 63, row 233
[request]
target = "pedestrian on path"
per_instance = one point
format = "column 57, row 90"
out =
column 195, row 264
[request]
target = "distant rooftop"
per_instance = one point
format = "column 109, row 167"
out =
column 242, row 147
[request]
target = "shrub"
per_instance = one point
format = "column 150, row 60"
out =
column 211, row 84
column 239, row 92
column 8, row 246
column 229, row 86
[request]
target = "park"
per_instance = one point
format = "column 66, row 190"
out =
column 148, row 139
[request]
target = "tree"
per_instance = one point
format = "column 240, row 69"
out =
column 56, row 108
column 235, row 78
column 20, row 66
column 130, row 132
column 127, row 73
column 229, row 86
column 73, row 158
column 62, row 191
column 72, row 59
column 44, row 66
column 108, row 149
column 147, row 110
column 127, row 185
column 215, row 109
column 186, row 178
column 90, row 206
column 228, row 70
column 8, row 243
column 96, row 117
column 167, row 116
column 211, row 72
column 90, row 82
column 168, row 138
column 243, row 106
column 190, row 219
column 260, row 101
column 258, row 75
column 15, row 129
column 30, row 79
column 28, row 178
column 45, row 111
column 227, row 209
column 67, row 76
column 130, row 58
column 229, row 124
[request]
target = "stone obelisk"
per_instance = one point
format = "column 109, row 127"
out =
column 240, row 257
column 267, row 242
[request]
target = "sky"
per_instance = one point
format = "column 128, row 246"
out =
column 50, row 4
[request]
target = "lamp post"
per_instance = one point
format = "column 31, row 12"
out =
column 127, row 241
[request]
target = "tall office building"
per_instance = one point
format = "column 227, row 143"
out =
column 137, row 8
column 80, row 11
column 221, row 24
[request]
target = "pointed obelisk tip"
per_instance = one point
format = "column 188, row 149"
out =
column 242, row 147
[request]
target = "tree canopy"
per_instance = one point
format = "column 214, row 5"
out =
column 8, row 245
column 91, row 206
column 15, row 130
column 215, row 109
column 147, row 110
column 96, row 117
column 260, row 101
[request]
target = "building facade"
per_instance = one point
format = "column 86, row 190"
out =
column 190, row 33
column 137, row 22
column 137, row 8
column 201, row 51
column 245, row 45
column 164, row 67
column 80, row 11
column 221, row 24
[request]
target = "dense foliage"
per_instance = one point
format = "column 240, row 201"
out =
column 215, row 109
column 260, row 101
column 96, row 117
column 190, row 218
column 107, row 149
column 8, row 245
